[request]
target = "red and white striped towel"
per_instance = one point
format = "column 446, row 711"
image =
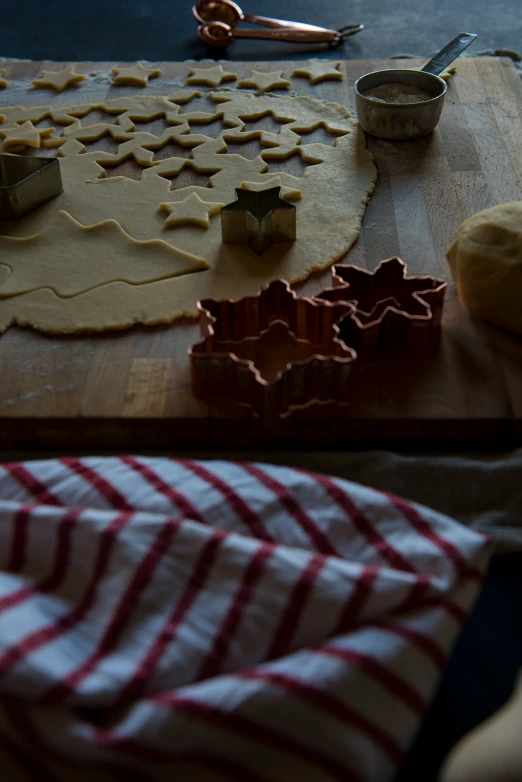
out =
column 174, row 620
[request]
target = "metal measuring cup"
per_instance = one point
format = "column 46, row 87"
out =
column 404, row 121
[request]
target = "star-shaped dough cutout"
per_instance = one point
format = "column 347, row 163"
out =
column 21, row 136
column 264, row 81
column 191, row 210
column 319, row 70
column 3, row 82
column 58, row 80
column 136, row 75
column 288, row 193
column 213, row 77
column 449, row 73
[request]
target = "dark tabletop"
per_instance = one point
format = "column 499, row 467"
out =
column 166, row 30
column 489, row 652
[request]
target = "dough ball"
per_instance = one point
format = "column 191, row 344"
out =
column 486, row 263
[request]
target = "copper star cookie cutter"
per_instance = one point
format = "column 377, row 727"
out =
column 271, row 352
column 27, row 182
column 276, row 352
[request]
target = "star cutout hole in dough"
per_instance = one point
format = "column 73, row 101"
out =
column 136, row 75
column 58, row 80
column 212, row 77
column 192, row 210
column 267, row 122
column 265, row 81
column 296, row 164
column 319, row 70
column 55, row 258
column 320, row 135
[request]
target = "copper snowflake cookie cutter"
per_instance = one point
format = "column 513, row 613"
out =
column 392, row 311
column 271, row 352
column 276, row 352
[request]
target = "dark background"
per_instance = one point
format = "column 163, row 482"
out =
column 482, row 669
column 165, row 29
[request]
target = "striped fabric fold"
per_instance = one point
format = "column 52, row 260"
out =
column 170, row 619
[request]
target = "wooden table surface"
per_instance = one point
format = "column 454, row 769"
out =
column 131, row 389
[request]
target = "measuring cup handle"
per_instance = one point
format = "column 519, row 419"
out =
column 450, row 52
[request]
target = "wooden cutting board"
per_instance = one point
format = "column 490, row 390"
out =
column 132, row 389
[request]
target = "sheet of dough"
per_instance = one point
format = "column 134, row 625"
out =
column 78, row 259
column 329, row 214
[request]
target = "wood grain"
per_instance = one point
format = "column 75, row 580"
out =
column 131, row 390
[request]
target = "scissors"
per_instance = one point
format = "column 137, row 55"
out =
column 218, row 18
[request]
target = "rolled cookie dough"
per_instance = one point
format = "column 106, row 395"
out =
column 335, row 185
column 485, row 258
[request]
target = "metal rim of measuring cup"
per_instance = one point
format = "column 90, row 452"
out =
column 396, row 72
column 399, row 121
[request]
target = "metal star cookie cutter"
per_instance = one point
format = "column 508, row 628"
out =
column 392, row 311
column 272, row 353
column 27, row 182
column 258, row 218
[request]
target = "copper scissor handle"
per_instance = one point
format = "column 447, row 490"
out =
column 266, row 21
column 229, row 13
column 221, row 34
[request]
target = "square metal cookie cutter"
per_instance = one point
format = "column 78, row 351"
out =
column 27, row 182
